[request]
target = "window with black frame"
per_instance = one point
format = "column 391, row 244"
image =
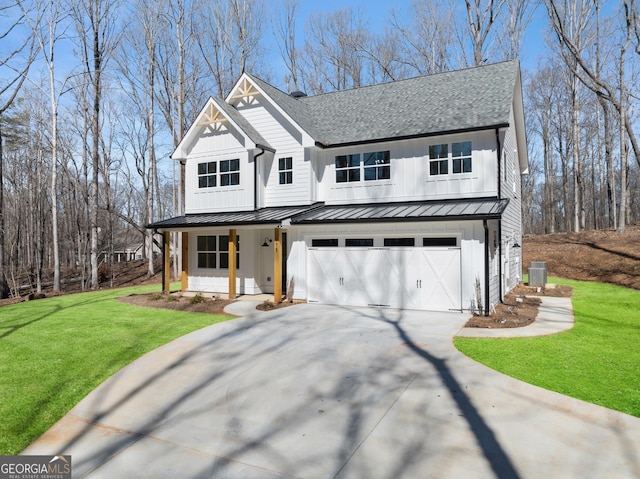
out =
column 377, row 166
column 207, row 174
column 285, row 170
column 230, row 172
column 224, row 251
column 207, row 251
column 347, row 168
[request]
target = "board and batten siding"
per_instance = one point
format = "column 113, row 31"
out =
column 287, row 141
column 296, row 193
column 410, row 179
column 510, row 181
column 219, row 198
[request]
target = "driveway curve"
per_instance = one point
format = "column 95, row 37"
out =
column 314, row 391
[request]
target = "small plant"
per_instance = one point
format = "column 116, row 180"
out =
column 266, row 305
column 198, row 298
column 171, row 298
column 478, row 288
column 156, row 297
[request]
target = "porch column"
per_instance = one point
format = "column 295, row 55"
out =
column 185, row 261
column 166, row 262
column 277, row 265
column 232, row 264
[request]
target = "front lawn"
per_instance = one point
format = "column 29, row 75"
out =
column 54, row 351
column 597, row 360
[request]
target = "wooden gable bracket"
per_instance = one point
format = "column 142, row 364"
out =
column 246, row 90
column 212, row 117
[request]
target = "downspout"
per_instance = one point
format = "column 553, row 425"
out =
column 499, row 158
column 499, row 152
column 255, row 177
column 486, row 267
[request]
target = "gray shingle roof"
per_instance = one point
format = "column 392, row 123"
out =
column 243, row 123
column 462, row 100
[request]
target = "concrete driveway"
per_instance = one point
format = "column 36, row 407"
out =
column 328, row 392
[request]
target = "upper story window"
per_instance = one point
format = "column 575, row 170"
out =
column 207, row 174
column 347, row 168
column 285, row 170
column 461, row 158
column 439, row 159
column 375, row 166
column 229, row 172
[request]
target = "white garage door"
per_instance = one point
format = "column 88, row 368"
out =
column 411, row 278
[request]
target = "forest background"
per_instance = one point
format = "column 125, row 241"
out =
column 96, row 94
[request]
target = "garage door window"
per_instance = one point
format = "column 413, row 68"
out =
column 324, row 242
column 362, row 242
column 399, row 242
column 442, row 241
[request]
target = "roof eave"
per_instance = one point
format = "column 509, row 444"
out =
column 328, row 145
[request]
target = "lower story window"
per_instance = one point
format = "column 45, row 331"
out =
column 224, row 252
column 207, row 251
column 213, row 252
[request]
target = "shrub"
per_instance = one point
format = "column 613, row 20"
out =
column 197, row 299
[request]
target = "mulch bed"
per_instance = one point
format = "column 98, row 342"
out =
column 178, row 302
column 520, row 307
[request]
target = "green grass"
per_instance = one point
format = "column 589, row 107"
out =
column 54, row 351
column 598, row 360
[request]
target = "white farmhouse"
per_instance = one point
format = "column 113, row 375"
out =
column 400, row 195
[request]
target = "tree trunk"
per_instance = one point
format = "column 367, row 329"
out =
column 4, row 286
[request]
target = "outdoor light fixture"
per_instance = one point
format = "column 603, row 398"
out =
column 266, row 242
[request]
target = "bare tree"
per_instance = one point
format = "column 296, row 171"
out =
column 16, row 63
column 426, row 41
column 334, row 58
column 285, row 31
column 613, row 90
column 47, row 39
column 482, row 15
column 95, row 25
column 513, row 25
column 229, row 35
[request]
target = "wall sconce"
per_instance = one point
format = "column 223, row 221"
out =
column 515, row 241
column 266, row 242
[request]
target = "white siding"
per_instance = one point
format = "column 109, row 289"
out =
column 296, row 193
column 219, row 198
column 410, row 178
column 510, row 185
column 470, row 234
column 286, row 139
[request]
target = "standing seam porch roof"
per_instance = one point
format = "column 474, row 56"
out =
column 472, row 209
